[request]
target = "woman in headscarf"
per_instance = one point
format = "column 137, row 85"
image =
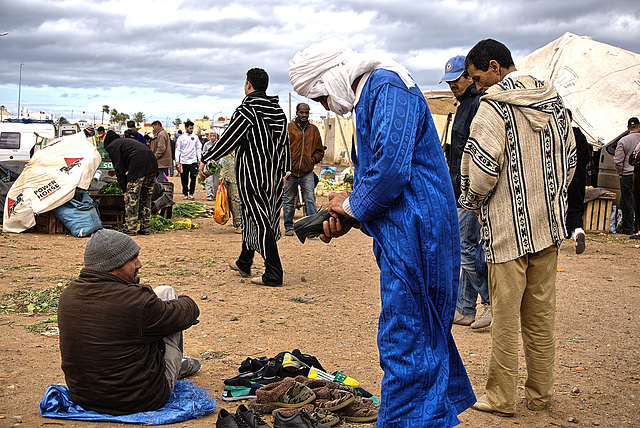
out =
column 402, row 196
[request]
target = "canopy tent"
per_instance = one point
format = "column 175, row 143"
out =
column 600, row 83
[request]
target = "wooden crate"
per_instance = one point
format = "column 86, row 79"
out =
column 111, row 209
column 597, row 213
column 49, row 223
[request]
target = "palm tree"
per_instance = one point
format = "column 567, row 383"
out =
column 105, row 109
column 139, row 117
column 114, row 115
column 177, row 122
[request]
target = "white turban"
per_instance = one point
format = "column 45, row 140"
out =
column 329, row 69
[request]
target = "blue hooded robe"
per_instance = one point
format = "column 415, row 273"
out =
column 404, row 199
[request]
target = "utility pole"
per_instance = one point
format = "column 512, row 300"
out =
column 20, row 89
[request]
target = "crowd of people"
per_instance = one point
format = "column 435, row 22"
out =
column 501, row 186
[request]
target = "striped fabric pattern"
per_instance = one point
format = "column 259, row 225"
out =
column 257, row 133
column 517, row 166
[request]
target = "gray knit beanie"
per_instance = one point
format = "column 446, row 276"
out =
column 108, row 250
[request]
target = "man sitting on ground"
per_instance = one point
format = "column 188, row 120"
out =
column 121, row 341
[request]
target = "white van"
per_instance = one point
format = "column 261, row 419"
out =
column 18, row 138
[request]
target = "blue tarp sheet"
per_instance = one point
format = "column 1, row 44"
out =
column 187, row 401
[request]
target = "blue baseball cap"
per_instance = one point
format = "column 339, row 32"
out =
column 453, row 69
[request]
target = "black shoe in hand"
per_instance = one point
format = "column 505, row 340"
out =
column 311, row 226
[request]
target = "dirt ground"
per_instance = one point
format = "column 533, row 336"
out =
column 329, row 307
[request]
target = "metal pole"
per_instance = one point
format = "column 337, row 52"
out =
column 20, row 89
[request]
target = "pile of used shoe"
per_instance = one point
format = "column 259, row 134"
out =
column 297, row 391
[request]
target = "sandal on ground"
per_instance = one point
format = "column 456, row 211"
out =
column 189, row 367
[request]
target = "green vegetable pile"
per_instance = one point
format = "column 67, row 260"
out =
column 191, row 210
column 159, row 224
column 110, row 189
column 330, row 185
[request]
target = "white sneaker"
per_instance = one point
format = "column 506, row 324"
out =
column 484, row 320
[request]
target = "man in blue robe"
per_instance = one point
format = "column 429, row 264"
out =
column 404, row 199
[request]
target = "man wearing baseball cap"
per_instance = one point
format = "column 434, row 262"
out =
column 625, row 147
column 471, row 282
column 121, row 341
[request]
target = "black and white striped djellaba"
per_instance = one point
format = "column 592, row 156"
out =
column 257, row 133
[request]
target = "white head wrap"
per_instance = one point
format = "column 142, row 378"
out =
column 329, row 69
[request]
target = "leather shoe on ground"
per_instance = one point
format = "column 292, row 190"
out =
column 258, row 280
column 129, row 232
column 288, row 232
column 250, row 417
column 234, row 266
column 460, row 319
column 226, row 420
column 483, row 405
column 580, row 244
column 144, row 232
column 310, row 225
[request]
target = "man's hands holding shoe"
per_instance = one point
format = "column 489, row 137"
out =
column 340, row 222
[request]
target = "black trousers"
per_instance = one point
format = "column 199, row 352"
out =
column 189, row 171
column 626, row 202
column 636, row 196
column 273, row 268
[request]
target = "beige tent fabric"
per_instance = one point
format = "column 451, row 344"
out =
column 600, row 83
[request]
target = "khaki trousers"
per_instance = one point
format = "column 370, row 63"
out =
column 522, row 290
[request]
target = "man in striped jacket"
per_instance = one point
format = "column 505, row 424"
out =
column 257, row 133
column 515, row 169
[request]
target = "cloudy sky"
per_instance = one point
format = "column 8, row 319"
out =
column 188, row 58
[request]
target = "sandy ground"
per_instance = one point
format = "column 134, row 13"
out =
column 329, row 307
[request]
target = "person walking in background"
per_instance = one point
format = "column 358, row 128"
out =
column 160, row 145
column 403, row 198
column 228, row 178
column 257, row 133
column 515, row 171
column 625, row 147
column 188, row 154
column 173, row 153
column 306, row 150
column 575, row 194
column 472, row 283
column 212, row 182
column 131, row 128
column 636, row 190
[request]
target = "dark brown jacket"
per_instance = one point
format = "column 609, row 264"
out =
column 306, row 148
column 111, row 342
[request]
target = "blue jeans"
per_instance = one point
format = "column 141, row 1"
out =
column 471, row 284
column 307, row 184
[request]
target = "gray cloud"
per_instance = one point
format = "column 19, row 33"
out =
column 91, row 47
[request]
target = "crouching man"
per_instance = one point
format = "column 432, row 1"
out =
column 121, row 341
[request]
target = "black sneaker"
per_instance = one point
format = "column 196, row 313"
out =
column 129, row 232
column 298, row 420
column 310, row 225
column 143, row 232
column 250, row 417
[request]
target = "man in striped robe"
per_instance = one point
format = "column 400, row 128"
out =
column 257, row 133
column 516, row 169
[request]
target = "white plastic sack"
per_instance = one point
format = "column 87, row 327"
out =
column 49, row 180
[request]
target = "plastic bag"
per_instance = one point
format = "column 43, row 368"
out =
column 79, row 215
column 221, row 212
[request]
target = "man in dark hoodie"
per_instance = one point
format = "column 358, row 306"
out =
column 471, row 282
column 136, row 168
column 120, row 341
column 257, row 133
